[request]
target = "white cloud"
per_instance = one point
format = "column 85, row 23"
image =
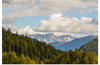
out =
column 26, row 30
column 65, row 5
column 8, row 3
column 47, row 7
column 20, row 8
column 60, row 23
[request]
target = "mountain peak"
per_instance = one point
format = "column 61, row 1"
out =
column 48, row 38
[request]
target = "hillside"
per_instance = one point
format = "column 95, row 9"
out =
column 19, row 49
column 76, row 43
column 91, row 46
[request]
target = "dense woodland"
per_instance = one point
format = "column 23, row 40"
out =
column 91, row 46
column 19, row 49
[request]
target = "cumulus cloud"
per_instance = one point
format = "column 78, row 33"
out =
column 60, row 23
column 46, row 7
column 26, row 30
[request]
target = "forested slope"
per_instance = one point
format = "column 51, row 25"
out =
column 19, row 49
column 91, row 46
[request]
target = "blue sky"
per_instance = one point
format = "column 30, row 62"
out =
column 33, row 21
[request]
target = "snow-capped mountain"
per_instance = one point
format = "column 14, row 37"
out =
column 48, row 38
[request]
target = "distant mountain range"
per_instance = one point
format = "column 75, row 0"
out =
column 64, row 42
column 49, row 38
column 76, row 43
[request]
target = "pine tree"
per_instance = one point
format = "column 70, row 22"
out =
column 85, row 60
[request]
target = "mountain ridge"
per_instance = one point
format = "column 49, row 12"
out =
column 48, row 38
column 76, row 43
